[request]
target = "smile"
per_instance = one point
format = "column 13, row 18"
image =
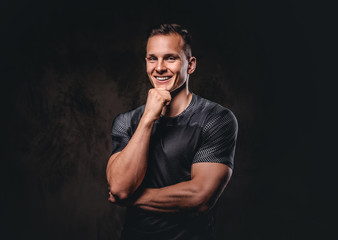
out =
column 162, row 78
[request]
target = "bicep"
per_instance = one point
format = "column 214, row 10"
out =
column 211, row 179
column 110, row 161
column 113, row 157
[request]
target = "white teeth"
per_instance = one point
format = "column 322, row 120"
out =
column 162, row 78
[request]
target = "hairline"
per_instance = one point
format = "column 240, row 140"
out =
column 185, row 47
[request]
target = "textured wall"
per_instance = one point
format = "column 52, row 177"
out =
column 71, row 67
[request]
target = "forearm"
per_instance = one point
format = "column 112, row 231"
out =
column 198, row 194
column 184, row 196
column 126, row 171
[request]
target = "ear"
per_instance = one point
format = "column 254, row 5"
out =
column 191, row 65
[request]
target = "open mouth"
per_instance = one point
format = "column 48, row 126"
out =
column 162, row 78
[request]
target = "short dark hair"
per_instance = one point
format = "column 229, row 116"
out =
column 166, row 29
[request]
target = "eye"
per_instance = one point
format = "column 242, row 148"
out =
column 151, row 59
column 171, row 59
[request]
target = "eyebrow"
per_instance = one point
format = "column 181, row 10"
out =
column 165, row 55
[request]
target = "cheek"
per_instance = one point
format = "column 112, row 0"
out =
column 183, row 72
column 178, row 69
column 149, row 67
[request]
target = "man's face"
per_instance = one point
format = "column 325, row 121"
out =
column 167, row 65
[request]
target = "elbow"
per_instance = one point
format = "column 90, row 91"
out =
column 119, row 194
column 203, row 200
column 205, row 206
column 201, row 203
column 201, row 206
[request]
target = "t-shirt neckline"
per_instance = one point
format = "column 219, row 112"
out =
column 187, row 109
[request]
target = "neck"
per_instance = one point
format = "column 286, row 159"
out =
column 180, row 100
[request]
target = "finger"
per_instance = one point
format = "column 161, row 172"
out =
column 165, row 94
column 111, row 198
column 168, row 101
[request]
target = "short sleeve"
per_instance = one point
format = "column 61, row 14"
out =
column 119, row 134
column 219, row 135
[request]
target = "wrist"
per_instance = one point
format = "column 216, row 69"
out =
column 147, row 121
column 142, row 198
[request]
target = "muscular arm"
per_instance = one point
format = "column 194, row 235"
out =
column 208, row 181
column 126, row 169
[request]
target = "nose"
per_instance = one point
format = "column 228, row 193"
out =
column 160, row 67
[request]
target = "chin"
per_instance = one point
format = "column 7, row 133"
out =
column 168, row 85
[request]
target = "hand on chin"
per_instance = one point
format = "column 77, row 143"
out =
column 167, row 87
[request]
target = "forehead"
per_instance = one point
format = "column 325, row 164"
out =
column 158, row 44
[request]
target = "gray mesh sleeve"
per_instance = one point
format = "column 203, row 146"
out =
column 219, row 136
column 119, row 134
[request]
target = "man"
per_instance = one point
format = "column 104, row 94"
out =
column 173, row 156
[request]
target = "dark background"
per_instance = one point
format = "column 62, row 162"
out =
column 68, row 68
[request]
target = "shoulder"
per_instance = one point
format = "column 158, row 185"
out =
column 130, row 117
column 215, row 112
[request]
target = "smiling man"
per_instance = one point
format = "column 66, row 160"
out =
column 172, row 157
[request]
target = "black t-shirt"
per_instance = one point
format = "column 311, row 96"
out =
column 204, row 132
